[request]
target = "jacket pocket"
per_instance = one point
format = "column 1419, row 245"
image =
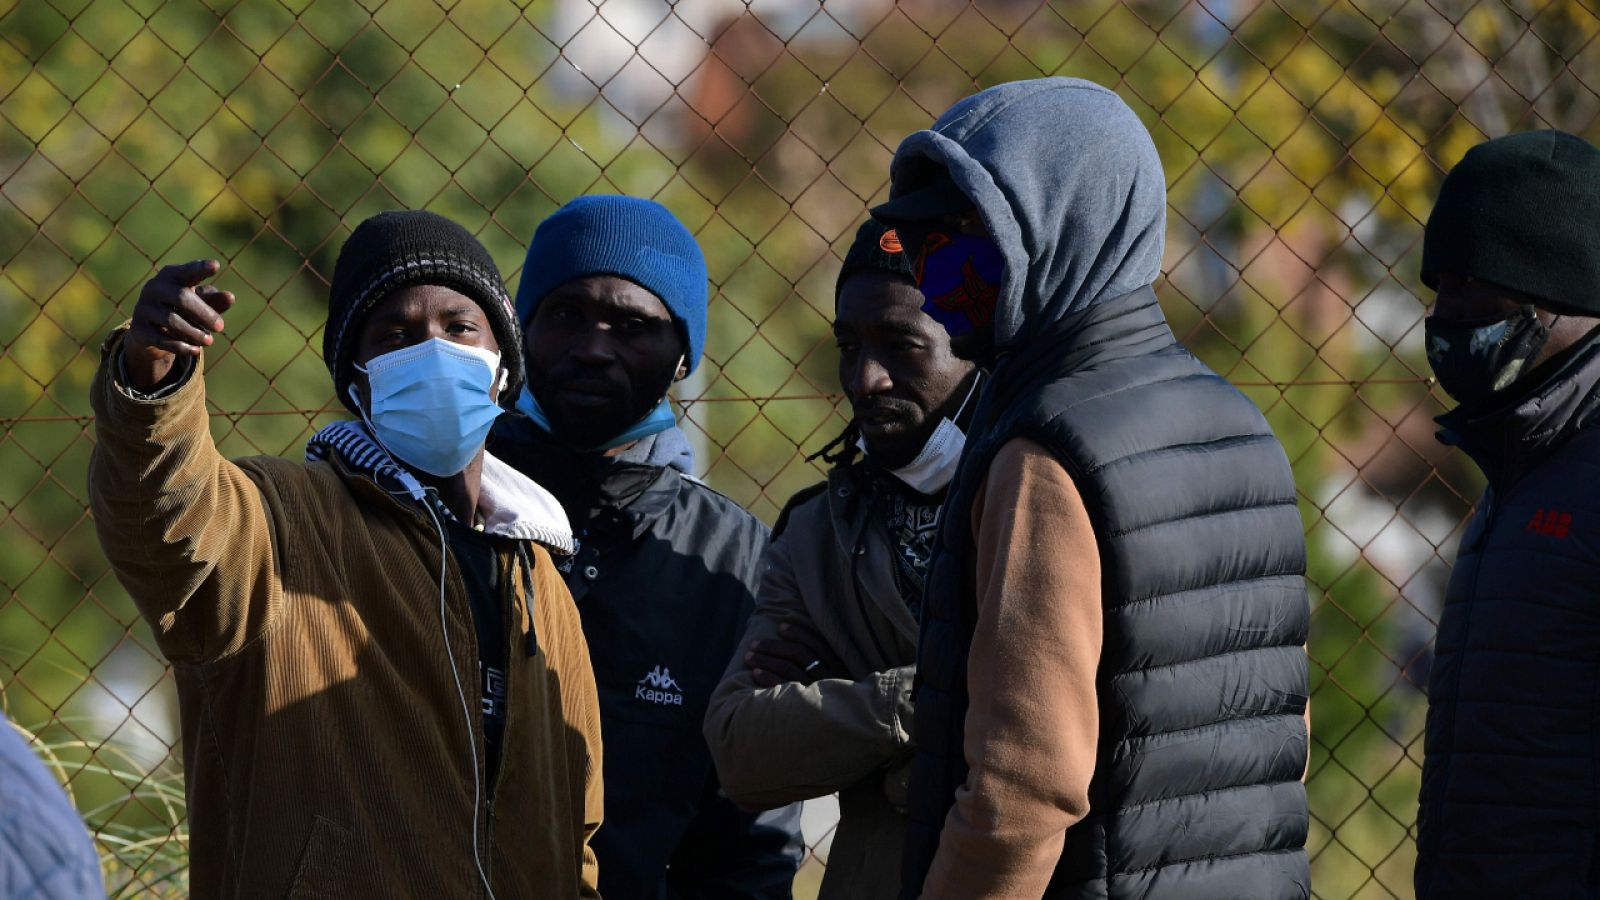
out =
column 324, row 862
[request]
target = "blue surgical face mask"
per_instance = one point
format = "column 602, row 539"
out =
column 432, row 404
column 530, row 407
column 655, row 421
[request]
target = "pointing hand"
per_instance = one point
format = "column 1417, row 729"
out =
column 175, row 315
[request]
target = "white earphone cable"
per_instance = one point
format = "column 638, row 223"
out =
column 466, row 710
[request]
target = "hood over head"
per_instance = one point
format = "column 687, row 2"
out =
column 1068, row 182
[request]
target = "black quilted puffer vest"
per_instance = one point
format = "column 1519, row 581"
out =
column 1202, row 681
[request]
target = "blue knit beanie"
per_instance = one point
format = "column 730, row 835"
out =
column 628, row 237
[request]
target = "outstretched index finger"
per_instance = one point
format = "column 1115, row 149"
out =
column 190, row 274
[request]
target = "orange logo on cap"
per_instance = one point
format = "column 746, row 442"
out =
column 890, row 242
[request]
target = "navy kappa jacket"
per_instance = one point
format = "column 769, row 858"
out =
column 664, row 578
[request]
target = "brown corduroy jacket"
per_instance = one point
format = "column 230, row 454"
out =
column 327, row 751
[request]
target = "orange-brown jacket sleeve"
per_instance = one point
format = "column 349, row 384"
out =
column 187, row 532
column 1033, row 721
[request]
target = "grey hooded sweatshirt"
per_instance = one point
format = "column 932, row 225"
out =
column 1194, row 561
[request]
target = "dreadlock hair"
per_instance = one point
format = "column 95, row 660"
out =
column 842, row 450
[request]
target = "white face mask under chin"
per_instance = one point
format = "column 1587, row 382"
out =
column 933, row 467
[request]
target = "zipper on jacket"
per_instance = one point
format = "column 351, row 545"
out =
column 521, row 562
column 479, row 735
column 872, row 514
column 1498, row 483
column 476, row 738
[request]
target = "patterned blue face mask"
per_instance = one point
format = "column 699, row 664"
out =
column 432, row 404
column 960, row 276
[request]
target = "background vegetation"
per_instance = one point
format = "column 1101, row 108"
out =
column 1303, row 140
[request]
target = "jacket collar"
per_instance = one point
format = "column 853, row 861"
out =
column 512, row 505
column 848, row 495
column 1507, row 441
column 1128, row 325
column 664, row 449
column 852, row 502
column 639, row 484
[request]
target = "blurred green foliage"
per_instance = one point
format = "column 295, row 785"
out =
column 1303, row 140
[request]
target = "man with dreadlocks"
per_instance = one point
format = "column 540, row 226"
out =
column 820, row 698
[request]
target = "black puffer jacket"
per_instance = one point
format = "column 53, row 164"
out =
column 1510, row 803
column 665, row 579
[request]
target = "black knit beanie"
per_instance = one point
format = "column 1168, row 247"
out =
column 1522, row 212
column 876, row 248
column 400, row 248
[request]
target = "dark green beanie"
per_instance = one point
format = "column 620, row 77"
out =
column 1523, row 212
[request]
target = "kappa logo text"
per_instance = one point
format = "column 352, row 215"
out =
column 658, row 686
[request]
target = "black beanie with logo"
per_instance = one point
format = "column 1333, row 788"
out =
column 1522, row 212
column 875, row 249
column 401, row 248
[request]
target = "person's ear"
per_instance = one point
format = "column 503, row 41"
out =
column 683, row 369
column 357, row 390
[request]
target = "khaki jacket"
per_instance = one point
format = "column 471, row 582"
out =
column 325, row 745
column 831, row 570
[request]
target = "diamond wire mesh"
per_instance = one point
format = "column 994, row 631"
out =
column 1303, row 140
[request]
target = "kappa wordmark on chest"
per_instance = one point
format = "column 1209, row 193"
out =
column 658, row 686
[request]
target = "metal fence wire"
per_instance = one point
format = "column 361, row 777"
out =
column 1303, row 141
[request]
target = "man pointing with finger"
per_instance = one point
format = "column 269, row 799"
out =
column 383, row 685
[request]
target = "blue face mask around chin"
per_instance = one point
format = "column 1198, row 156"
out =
column 432, row 404
column 655, row 421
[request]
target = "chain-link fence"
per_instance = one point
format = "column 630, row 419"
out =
column 1303, row 141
